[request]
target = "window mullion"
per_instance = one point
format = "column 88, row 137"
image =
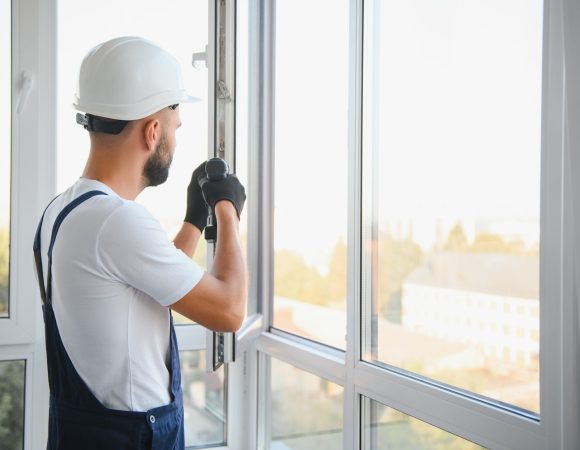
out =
column 570, row 329
column 351, row 412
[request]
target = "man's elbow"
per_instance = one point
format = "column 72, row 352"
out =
column 235, row 301
column 234, row 316
column 232, row 323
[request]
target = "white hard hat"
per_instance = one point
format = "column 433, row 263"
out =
column 129, row 78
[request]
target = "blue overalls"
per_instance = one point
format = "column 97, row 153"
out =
column 77, row 420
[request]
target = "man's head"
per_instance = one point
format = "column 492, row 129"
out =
column 129, row 89
column 156, row 169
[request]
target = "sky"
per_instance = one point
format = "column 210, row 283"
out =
column 451, row 118
column 451, row 109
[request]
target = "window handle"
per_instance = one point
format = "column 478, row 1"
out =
column 26, row 85
column 199, row 57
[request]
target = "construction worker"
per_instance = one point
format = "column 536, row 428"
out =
column 110, row 274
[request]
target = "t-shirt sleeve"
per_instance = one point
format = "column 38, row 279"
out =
column 134, row 249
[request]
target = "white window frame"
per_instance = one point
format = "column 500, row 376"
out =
column 242, row 373
column 487, row 425
column 33, row 183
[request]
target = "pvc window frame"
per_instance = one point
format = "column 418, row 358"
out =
column 463, row 415
column 242, row 373
column 33, row 184
column 28, row 163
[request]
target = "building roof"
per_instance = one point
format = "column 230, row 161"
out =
column 489, row 273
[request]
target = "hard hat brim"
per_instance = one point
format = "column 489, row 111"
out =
column 127, row 112
column 191, row 99
column 129, row 78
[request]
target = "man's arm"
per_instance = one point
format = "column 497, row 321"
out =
column 187, row 239
column 218, row 301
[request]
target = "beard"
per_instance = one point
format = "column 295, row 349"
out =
column 156, row 168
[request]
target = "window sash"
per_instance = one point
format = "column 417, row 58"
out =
column 472, row 419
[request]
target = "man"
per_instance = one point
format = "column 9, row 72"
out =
column 111, row 276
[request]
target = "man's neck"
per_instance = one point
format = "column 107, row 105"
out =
column 124, row 178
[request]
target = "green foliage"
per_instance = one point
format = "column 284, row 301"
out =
column 456, row 239
column 396, row 260
column 484, row 243
column 492, row 243
column 11, row 405
column 336, row 279
column 4, row 266
column 398, row 430
column 297, row 280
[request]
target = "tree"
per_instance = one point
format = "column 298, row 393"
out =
column 295, row 279
column 4, row 267
column 456, row 239
column 336, row 279
column 396, row 260
column 492, row 243
column 11, row 404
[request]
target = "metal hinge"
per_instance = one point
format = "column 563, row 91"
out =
column 223, row 91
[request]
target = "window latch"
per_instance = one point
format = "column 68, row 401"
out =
column 198, row 58
column 26, row 85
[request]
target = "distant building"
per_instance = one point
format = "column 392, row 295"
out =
column 486, row 300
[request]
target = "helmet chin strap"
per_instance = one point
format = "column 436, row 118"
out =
column 93, row 123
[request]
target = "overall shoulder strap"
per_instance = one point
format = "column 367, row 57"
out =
column 46, row 294
column 37, row 254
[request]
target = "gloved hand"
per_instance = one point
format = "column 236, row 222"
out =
column 196, row 213
column 229, row 188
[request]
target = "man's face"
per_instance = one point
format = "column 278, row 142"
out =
column 156, row 168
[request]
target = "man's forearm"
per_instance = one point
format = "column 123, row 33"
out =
column 187, row 238
column 228, row 264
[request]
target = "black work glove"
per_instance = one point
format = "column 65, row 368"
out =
column 196, row 213
column 229, row 188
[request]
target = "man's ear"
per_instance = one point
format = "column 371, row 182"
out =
column 152, row 133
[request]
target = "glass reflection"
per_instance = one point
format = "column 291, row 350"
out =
column 452, row 192
column 388, row 429
column 203, row 400
column 305, row 411
column 311, row 177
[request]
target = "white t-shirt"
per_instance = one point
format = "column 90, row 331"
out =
column 114, row 272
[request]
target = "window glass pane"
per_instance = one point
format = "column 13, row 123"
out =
column 311, row 179
column 203, row 400
column 12, row 379
column 452, row 109
column 5, row 150
column 245, row 89
column 388, row 429
column 80, row 27
column 305, row 411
